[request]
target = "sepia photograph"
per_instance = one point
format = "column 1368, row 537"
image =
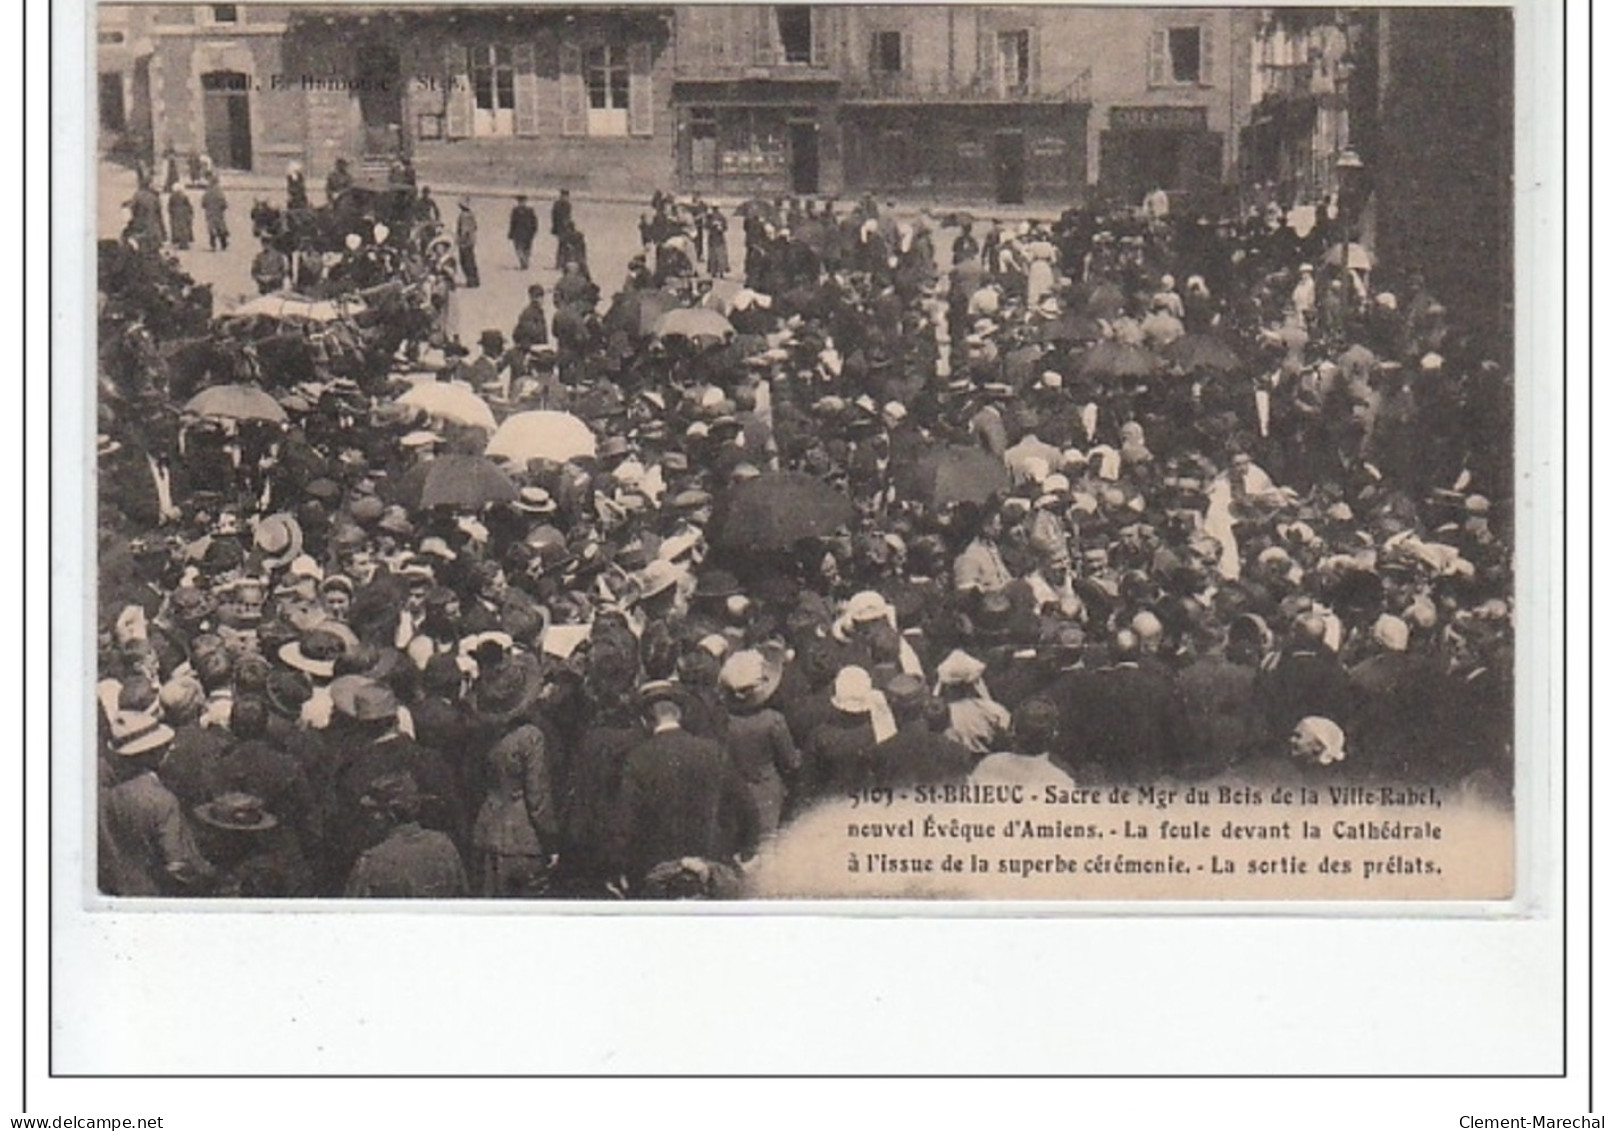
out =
column 634, row 453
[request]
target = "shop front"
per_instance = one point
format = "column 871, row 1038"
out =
column 1009, row 154
column 1161, row 147
column 757, row 139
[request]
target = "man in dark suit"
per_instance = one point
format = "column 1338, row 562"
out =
column 1307, row 679
column 681, row 796
column 560, row 223
column 523, row 227
column 1121, row 717
column 916, row 754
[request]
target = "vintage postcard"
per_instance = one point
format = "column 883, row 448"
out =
column 762, row 452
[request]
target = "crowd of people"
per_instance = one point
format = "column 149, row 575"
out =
column 1117, row 497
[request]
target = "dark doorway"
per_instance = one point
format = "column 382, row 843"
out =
column 227, row 119
column 804, row 157
column 381, row 102
column 113, row 117
column 1009, row 167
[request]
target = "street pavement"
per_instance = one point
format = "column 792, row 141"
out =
column 609, row 225
column 611, row 229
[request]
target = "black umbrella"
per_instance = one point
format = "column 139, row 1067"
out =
column 1203, row 353
column 776, row 509
column 953, row 475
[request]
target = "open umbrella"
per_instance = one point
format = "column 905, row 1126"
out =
column 467, row 482
column 453, row 402
column 1118, row 360
column 288, row 307
column 236, row 402
column 775, row 509
column 1202, row 353
column 693, row 322
column 1106, row 301
column 953, row 475
column 635, row 312
column 1358, row 257
column 557, row 436
column 722, row 295
column 1071, row 327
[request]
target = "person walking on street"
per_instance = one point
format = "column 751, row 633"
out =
column 465, row 233
column 214, row 206
column 146, row 215
column 523, row 229
column 181, row 219
column 560, row 221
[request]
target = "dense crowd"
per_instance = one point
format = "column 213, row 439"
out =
column 600, row 603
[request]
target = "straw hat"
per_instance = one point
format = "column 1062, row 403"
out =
column 747, row 678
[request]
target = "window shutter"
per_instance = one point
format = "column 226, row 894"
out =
column 908, row 55
column 1034, row 62
column 763, row 44
column 526, row 91
column 819, row 43
column 457, row 100
column 1206, row 40
column 574, row 100
column 874, row 54
column 641, row 95
column 1160, row 62
column 986, row 54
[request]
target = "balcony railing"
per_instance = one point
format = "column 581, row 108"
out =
column 940, row 88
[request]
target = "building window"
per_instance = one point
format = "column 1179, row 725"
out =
column 886, row 53
column 607, row 72
column 795, row 26
column 493, row 92
column 1183, row 48
column 1014, row 62
column 605, row 75
column 223, row 14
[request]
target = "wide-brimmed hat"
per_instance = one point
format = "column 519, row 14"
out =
column 136, row 732
column 315, row 652
column 535, row 500
column 506, row 693
column 748, row 679
column 658, row 577
column 279, row 538
column 236, row 812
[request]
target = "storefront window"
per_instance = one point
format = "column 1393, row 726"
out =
column 751, row 142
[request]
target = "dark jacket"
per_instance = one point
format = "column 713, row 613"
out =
column 918, row 755
column 523, row 225
column 1304, row 682
column 681, row 797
